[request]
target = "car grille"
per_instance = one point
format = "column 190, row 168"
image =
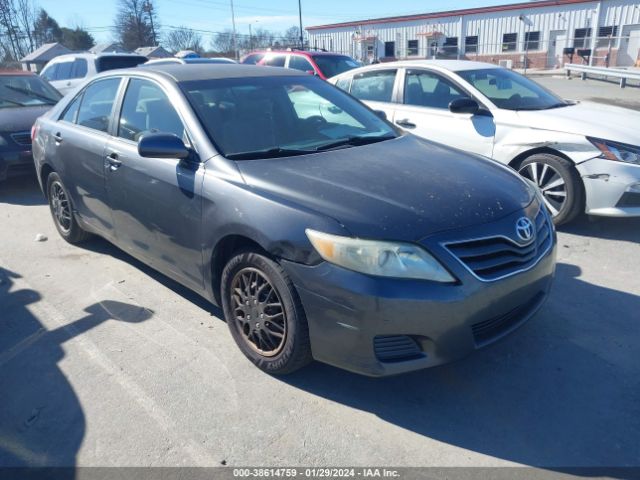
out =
column 396, row 348
column 497, row 257
column 490, row 330
column 22, row 138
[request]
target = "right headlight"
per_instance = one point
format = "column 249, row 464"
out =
column 620, row 152
column 383, row 259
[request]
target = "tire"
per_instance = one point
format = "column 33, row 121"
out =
column 62, row 211
column 271, row 329
column 559, row 182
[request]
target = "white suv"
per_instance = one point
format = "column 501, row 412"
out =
column 67, row 71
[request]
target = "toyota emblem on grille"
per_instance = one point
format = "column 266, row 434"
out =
column 524, row 229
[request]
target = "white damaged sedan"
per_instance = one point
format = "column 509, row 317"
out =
column 584, row 157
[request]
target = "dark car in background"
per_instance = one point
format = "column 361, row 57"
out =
column 321, row 229
column 314, row 62
column 23, row 98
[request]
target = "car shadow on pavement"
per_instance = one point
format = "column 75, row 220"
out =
column 609, row 228
column 41, row 419
column 102, row 246
column 563, row 391
column 22, row 191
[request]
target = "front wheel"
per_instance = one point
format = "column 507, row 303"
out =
column 559, row 183
column 264, row 313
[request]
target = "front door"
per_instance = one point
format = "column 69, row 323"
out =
column 424, row 111
column 557, row 43
column 156, row 202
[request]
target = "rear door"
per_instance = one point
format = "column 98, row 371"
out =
column 80, row 137
column 424, row 111
column 156, row 202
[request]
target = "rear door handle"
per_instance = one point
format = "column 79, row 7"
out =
column 406, row 123
column 58, row 138
column 113, row 162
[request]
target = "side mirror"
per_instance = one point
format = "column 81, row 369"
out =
column 162, row 145
column 464, row 105
column 310, row 72
column 380, row 114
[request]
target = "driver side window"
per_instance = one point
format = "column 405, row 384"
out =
column 145, row 109
column 427, row 89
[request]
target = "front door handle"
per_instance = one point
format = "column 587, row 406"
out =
column 113, row 162
column 406, row 123
column 58, row 138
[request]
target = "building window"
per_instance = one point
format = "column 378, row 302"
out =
column 412, row 47
column 389, row 49
column 471, row 44
column 581, row 37
column 450, row 46
column 509, row 42
column 532, row 41
column 606, row 34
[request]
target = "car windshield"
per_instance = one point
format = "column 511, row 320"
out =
column 332, row 65
column 266, row 117
column 114, row 62
column 510, row 90
column 26, row 91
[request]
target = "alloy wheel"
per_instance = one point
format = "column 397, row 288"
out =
column 258, row 311
column 60, row 206
column 550, row 182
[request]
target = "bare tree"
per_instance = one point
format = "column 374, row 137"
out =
column 183, row 38
column 135, row 23
column 223, row 42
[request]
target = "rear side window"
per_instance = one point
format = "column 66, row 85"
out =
column 298, row 62
column 276, row 61
column 374, row 86
column 72, row 110
column 145, row 109
column 97, row 104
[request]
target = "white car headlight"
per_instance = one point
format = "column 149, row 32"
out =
column 620, row 152
column 383, row 259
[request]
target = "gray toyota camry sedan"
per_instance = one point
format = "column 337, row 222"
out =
column 321, row 230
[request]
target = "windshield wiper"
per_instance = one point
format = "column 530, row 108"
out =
column 268, row 153
column 13, row 102
column 30, row 93
column 354, row 141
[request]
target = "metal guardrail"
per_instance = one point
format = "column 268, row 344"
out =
column 621, row 73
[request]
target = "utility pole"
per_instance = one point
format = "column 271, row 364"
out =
column 233, row 22
column 250, row 39
column 300, row 15
column 147, row 6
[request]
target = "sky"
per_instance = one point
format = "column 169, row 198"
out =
column 211, row 16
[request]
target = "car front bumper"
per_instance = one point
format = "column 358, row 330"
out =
column 355, row 321
column 16, row 163
column 612, row 189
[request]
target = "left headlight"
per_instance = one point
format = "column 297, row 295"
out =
column 616, row 151
column 383, row 259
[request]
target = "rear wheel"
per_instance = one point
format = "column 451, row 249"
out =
column 62, row 211
column 264, row 313
column 559, row 183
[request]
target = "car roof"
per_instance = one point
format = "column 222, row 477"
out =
column 212, row 71
column 95, row 55
column 449, row 65
column 299, row 52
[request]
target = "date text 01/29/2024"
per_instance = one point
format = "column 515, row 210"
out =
column 315, row 472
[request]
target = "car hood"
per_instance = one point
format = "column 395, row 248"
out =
column 20, row 119
column 588, row 119
column 400, row 189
